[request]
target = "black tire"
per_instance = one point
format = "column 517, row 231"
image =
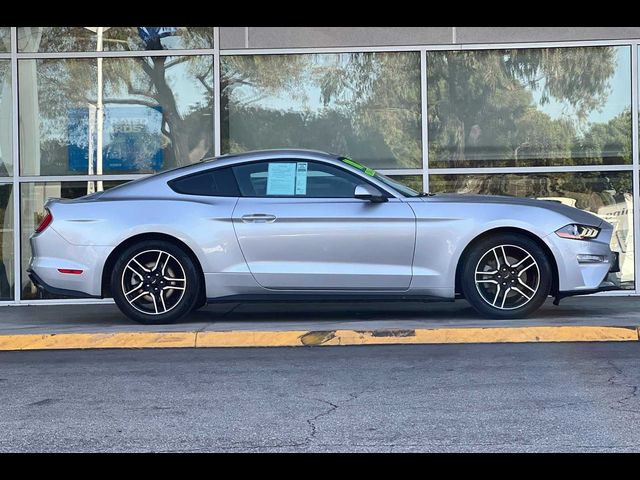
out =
column 201, row 299
column 495, row 291
column 177, row 302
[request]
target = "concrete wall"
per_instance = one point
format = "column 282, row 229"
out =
column 295, row 37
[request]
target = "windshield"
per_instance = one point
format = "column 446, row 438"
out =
column 399, row 187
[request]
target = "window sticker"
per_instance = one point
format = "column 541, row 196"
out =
column 369, row 171
column 301, row 178
column 281, row 178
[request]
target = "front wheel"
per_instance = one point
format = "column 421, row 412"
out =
column 155, row 282
column 506, row 276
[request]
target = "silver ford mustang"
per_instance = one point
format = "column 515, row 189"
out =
column 305, row 225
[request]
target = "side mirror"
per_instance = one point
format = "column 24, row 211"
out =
column 369, row 193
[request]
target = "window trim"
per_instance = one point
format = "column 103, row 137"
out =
column 383, row 189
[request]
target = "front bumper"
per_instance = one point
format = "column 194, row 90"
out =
column 584, row 266
column 611, row 282
column 615, row 262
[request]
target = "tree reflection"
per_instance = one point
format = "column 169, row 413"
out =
column 5, row 39
column 83, row 39
column 486, row 108
column 365, row 105
column 5, row 118
column 148, row 84
column 181, row 88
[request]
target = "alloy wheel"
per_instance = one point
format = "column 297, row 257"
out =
column 507, row 277
column 154, row 282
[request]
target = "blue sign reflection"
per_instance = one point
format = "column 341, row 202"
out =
column 132, row 139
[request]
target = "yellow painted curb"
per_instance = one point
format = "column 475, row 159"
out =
column 294, row 338
column 239, row 338
column 98, row 340
column 494, row 335
column 417, row 336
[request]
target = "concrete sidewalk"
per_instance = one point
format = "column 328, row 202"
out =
column 584, row 311
column 595, row 318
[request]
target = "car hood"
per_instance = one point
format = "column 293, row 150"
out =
column 574, row 214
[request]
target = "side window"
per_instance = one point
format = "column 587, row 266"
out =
column 295, row 178
column 215, row 183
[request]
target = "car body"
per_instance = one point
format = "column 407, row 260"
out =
column 263, row 240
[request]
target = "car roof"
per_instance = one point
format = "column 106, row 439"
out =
column 245, row 157
column 271, row 153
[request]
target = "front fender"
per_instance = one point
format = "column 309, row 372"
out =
column 444, row 230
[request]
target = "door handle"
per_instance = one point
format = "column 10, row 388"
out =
column 259, row 218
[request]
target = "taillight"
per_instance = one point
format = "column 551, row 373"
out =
column 46, row 221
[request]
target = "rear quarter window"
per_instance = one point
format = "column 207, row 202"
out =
column 213, row 183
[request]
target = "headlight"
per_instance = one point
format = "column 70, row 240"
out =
column 578, row 232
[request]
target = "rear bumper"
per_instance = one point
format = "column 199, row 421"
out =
column 42, row 285
column 51, row 253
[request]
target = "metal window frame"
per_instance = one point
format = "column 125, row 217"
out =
column 217, row 135
column 635, row 164
column 15, row 139
column 17, row 179
column 546, row 169
column 428, row 47
column 425, row 120
column 122, row 54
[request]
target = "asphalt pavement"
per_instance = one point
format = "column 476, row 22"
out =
column 576, row 397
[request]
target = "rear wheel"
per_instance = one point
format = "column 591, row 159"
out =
column 155, row 282
column 506, row 276
column 201, row 300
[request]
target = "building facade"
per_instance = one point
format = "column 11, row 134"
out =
column 546, row 112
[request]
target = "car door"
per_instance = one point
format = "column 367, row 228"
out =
column 300, row 228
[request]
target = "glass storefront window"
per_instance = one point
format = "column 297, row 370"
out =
column 86, row 39
column 529, row 107
column 6, row 242
column 609, row 195
column 157, row 114
column 33, row 196
column 5, row 39
column 6, row 124
column 524, row 107
column 411, row 181
column 363, row 105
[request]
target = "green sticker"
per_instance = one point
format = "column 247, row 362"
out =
column 352, row 163
column 369, row 171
